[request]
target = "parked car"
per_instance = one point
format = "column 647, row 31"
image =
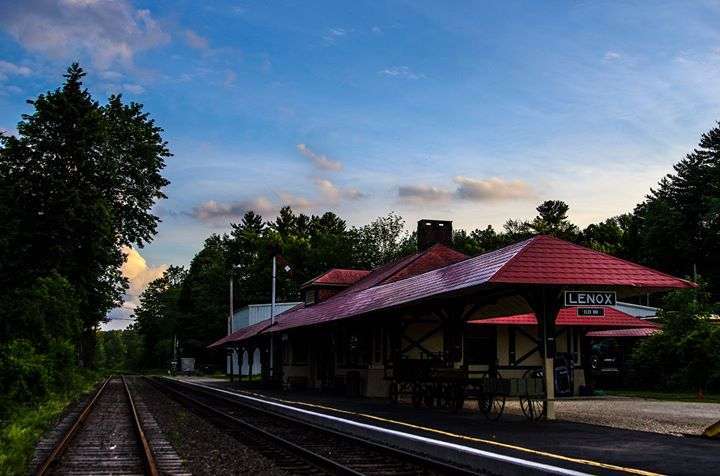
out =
column 606, row 357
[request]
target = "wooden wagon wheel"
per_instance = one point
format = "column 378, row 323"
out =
column 532, row 406
column 491, row 397
column 491, row 405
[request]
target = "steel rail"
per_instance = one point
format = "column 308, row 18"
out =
column 336, row 467
column 314, row 458
column 62, row 445
column 148, row 456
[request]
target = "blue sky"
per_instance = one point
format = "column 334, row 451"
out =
column 470, row 111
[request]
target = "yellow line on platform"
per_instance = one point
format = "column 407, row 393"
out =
column 474, row 439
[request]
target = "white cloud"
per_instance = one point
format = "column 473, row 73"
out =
column 333, row 195
column 196, row 41
column 401, row 72
column 333, row 34
column 139, row 275
column 320, row 161
column 296, row 202
column 213, row 211
column 491, row 189
column 9, row 69
column 612, row 56
column 469, row 189
column 134, row 88
column 423, row 194
column 110, row 31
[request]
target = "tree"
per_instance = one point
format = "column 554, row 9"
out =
column 552, row 220
column 679, row 222
column 687, row 351
column 77, row 184
column 381, row 241
column 157, row 317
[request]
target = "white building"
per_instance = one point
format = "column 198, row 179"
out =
column 249, row 315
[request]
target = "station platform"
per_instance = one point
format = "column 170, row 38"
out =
column 570, row 446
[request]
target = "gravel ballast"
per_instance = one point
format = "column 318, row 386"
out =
column 205, row 449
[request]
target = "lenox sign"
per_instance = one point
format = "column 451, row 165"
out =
column 590, row 298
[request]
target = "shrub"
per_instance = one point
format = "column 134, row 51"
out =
column 23, row 375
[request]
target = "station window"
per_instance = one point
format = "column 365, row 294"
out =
column 357, row 349
column 300, row 351
column 480, row 351
column 378, row 338
column 310, row 297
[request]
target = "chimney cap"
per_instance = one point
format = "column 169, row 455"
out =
column 431, row 232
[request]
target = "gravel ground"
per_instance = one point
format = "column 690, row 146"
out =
column 658, row 416
column 205, row 449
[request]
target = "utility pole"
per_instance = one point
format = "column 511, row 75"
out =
column 272, row 313
column 230, row 329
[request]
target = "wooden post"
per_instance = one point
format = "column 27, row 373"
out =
column 546, row 304
column 232, row 364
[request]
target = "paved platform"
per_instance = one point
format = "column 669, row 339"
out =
column 576, row 446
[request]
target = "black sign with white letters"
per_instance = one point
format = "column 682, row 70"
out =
column 591, row 312
column 590, row 298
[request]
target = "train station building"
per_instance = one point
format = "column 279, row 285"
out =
column 438, row 326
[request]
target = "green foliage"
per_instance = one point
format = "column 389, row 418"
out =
column 77, row 184
column 119, row 350
column 23, row 426
column 686, row 354
column 23, row 375
column 47, row 309
column 679, row 222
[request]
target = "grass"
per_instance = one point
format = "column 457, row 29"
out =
column 26, row 425
column 660, row 395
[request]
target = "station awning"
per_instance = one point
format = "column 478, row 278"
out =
column 635, row 332
column 242, row 334
column 568, row 317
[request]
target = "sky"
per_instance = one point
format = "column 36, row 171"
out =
column 469, row 111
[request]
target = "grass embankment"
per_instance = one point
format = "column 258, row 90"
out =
column 669, row 396
column 26, row 425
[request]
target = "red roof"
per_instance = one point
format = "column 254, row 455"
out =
column 338, row 277
column 635, row 332
column 437, row 256
column 568, row 317
column 538, row 260
column 244, row 333
column 549, row 260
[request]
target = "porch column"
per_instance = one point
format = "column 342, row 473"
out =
column 232, row 364
column 546, row 304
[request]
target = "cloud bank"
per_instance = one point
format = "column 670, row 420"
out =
column 468, row 189
column 109, row 31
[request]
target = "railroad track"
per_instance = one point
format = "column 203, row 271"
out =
column 107, row 437
column 297, row 446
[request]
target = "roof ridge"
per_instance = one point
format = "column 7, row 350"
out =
column 525, row 245
column 414, row 257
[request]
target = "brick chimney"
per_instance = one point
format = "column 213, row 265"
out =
column 430, row 232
